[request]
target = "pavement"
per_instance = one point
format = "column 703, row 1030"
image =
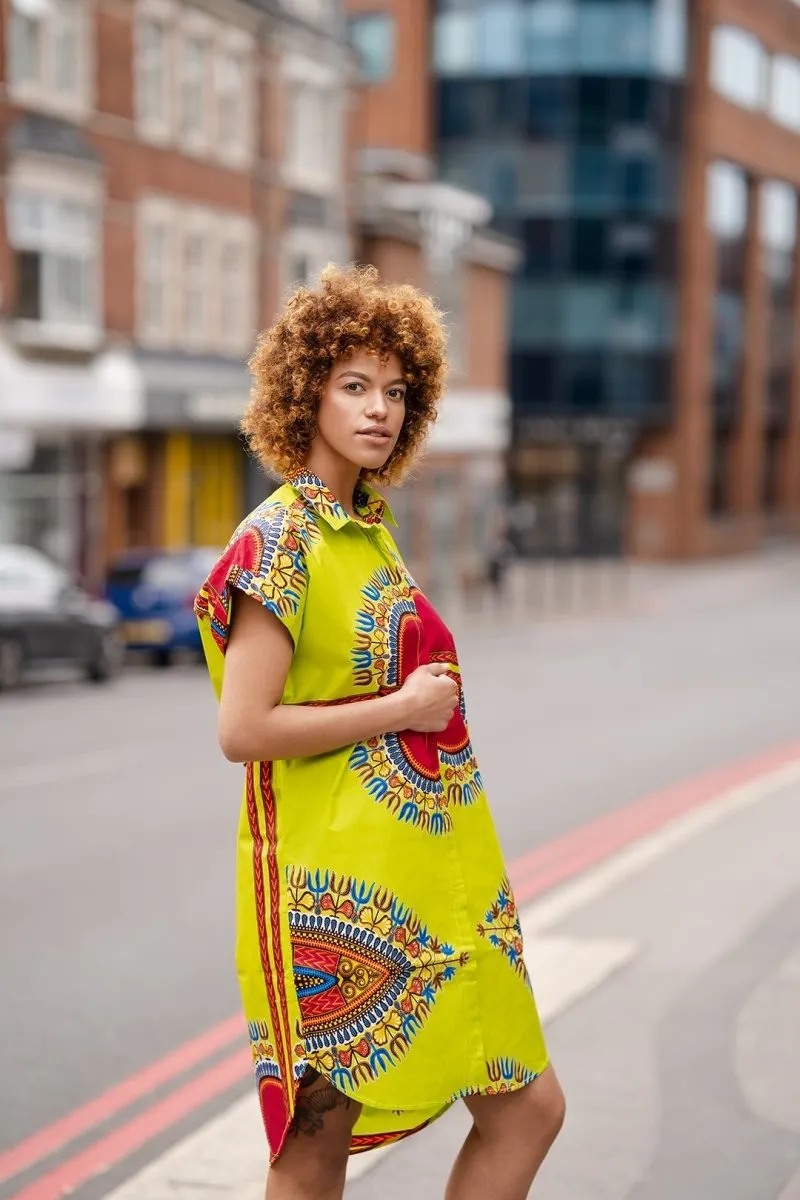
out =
column 671, row 995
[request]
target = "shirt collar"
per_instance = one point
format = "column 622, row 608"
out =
column 370, row 506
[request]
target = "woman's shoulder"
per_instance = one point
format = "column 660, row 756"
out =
column 268, row 548
column 280, row 519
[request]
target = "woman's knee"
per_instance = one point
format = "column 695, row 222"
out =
column 532, row 1115
column 543, row 1106
column 555, row 1105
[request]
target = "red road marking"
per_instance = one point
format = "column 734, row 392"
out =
column 574, row 853
column 82, row 1119
column 531, row 875
column 129, row 1137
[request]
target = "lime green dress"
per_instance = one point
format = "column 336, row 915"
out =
column 378, row 940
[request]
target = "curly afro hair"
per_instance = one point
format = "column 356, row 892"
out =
column 350, row 310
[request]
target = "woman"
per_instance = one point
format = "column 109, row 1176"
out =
column 379, row 950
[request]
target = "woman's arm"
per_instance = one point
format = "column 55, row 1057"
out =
column 255, row 727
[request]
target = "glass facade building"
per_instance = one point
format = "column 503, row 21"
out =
column 567, row 115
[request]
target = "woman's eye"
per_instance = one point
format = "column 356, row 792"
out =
column 397, row 394
column 353, row 386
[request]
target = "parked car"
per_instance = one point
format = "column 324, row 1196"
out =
column 154, row 591
column 47, row 618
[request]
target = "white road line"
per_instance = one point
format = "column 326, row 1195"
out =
column 564, row 969
column 81, row 766
column 565, row 900
column 227, row 1157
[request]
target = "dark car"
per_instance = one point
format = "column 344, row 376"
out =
column 154, row 591
column 46, row 618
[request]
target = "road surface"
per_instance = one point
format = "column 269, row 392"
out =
column 117, row 814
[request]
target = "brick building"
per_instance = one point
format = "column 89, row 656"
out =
column 644, row 156
column 167, row 170
column 734, row 441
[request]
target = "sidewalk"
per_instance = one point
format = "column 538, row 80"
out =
column 557, row 590
column 669, row 982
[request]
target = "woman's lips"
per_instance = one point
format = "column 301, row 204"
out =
column 378, row 439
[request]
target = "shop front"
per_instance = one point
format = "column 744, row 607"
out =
column 54, row 419
column 182, row 479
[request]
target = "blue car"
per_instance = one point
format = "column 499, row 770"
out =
column 154, row 592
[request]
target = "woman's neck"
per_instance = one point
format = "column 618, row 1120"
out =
column 339, row 476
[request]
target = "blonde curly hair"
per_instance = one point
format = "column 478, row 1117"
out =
column 350, row 310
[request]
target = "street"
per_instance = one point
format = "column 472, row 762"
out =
column 117, row 825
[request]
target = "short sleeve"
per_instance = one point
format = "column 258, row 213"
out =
column 266, row 559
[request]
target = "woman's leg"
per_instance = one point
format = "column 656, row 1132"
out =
column 313, row 1162
column 509, row 1139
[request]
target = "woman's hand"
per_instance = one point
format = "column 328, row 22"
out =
column 255, row 726
column 429, row 697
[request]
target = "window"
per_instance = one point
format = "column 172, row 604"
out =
column 543, row 241
column 615, row 38
column 500, row 29
column 373, row 37
column 66, row 32
column 785, row 91
column 455, row 43
column 670, row 37
column 550, row 102
column 585, row 384
column 193, row 89
column 542, row 186
column 779, row 238
column 235, row 319
column 27, row 35
column 232, row 75
column 57, row 243
column 536, row 314
column 196, row 277
column 778, row 216
column 155, row 267
column 48, row 51
column 587, row 314
column 728, row 196
column 152, row 74
column 727, row 200
column 550, row 35
column 493, row 171
column 312, row 134
column 195, row 287
column 594, row 180
column 738, row 66
column 589, row 248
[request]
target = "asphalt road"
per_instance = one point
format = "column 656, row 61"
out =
column 117, row 814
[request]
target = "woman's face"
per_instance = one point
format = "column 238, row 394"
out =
column 362, row 409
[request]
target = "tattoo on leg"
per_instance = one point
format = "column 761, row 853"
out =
column 309, row 1116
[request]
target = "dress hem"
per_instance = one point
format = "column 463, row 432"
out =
column 362, row 1143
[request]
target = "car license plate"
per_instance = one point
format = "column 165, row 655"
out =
column 146, row 633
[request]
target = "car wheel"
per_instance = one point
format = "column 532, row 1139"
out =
column 107, row 661
column 11, row 659
column 163, row 658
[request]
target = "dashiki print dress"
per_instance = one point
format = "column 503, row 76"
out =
column 378, row 940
